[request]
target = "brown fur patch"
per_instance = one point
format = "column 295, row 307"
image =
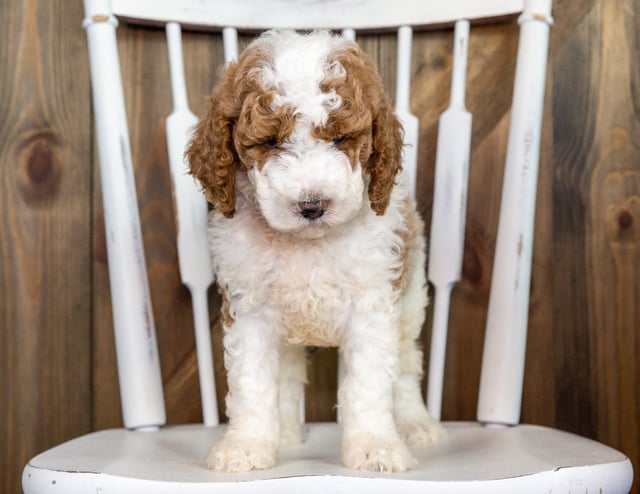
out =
column 414, row 227
column 366, row 109
column 225, row 311
column 237, row 129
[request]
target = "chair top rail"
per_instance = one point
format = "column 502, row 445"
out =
column 259, row 15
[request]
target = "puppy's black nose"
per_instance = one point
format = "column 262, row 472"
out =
column 312, row 209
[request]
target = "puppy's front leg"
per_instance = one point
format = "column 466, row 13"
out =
column 370, row 439
column 251, row 358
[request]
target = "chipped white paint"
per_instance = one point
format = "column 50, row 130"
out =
column 137, row 352
column 505, row 338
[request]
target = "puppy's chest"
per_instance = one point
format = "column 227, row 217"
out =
column 315, row 291
column 312, row 287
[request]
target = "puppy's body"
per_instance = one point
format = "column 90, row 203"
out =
column 313, row 243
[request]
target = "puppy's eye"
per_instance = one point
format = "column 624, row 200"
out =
column 271, row 143
column 340, row 139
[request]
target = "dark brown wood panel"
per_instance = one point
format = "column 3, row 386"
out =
column 575, row 98
column 57, row 358
column 612, row 214
column 45, row 222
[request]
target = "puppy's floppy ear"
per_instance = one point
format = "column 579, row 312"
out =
column 386, row 160
column 211, row 154
column 361, row 90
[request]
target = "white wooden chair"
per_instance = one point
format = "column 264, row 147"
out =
column 495, row 454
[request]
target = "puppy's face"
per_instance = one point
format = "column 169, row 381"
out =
column 305, row 118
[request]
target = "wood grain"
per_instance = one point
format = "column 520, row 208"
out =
column 57, row 360
column 612, row 227
column 45, row 191
column 575, row 97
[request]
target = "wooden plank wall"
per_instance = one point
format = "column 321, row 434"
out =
column 57, row 365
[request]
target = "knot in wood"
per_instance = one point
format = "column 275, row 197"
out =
column 38, row 166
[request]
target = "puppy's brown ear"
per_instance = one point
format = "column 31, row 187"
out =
column 386, row 159
column 362, row 91
column 211, row 154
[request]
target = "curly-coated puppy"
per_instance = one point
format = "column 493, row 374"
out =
column 315, row 240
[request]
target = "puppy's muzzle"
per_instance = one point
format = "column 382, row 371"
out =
column 312, row 209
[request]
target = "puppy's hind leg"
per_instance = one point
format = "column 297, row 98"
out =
column 414, row 424
column 291, row 381
column 413, row 421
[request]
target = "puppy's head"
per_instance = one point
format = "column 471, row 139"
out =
column 306, row 119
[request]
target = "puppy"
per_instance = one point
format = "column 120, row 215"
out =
column 315, row 240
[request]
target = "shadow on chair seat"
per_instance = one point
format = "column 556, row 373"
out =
column 470, row 458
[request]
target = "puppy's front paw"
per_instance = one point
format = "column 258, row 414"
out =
column 376, row 454
column 241, row 455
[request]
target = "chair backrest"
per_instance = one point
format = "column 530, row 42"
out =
column 137, row 353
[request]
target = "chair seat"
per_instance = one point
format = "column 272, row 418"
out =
column 471, row 458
